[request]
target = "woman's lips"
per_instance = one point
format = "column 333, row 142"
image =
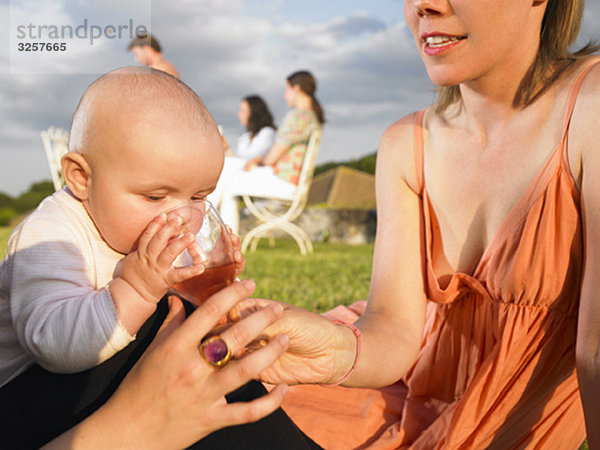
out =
column 438, row 43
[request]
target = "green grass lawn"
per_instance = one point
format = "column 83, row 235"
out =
column 334, row 274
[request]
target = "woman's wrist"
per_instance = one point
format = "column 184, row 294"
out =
column 355, row 355
column 88, row 434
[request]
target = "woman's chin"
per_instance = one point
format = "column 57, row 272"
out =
column 443, row 82
column 442, row 77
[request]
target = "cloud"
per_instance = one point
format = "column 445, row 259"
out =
column 355, row 25
column 591, row 23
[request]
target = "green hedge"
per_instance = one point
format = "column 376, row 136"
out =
column 6, row 215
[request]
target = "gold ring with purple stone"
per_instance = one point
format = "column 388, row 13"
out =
column 215, row 351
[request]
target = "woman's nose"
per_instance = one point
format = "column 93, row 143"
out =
column 428, row 7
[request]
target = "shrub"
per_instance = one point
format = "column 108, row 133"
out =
column 43, row 187
column 6, row 200
column 6, row 215
column 364, row 164
column 28, row 200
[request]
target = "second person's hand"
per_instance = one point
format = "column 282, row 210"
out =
column 319, row 351
column 173, row 397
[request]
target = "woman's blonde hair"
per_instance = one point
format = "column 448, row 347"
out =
column 560, row 28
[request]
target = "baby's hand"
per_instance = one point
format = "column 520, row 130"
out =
column 149, row 269
column 239, row 260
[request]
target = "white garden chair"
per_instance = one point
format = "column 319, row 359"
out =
column 281, row 218
column 56, row 144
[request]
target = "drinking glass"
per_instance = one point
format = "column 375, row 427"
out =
column 212, row 248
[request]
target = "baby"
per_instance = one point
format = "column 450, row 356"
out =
column 87, row 268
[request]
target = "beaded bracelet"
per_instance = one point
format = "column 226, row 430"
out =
column 356, row 332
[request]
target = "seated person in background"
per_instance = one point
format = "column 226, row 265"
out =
column 259, row 137
column 84, row 273
column 147, row 51
column 278, row 171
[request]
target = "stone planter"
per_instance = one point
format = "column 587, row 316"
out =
column 348, row 226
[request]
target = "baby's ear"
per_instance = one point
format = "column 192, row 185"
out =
column 76, row 172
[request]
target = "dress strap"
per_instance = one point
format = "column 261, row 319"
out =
column 419, row 148
column 573, row 96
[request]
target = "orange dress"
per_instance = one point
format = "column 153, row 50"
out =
column 497, row 363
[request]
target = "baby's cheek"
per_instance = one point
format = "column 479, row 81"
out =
column 126, row 243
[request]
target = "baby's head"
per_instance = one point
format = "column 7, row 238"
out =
column 141, row 143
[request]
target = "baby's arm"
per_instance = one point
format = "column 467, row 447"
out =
column 147, row 274
column 60, row 319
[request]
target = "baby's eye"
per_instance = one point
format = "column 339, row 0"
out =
column 197, row 198
column 155, row 198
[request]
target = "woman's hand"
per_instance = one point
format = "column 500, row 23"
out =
column 252, row 163
column 173, row 397
column 319, row 350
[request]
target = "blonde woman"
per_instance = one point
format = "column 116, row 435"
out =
column 483, row 313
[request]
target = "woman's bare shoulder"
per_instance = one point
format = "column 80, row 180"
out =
column 584, row 133
column 396, row 154
column 590, row 88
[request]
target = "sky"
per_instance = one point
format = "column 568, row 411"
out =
column 361, row 52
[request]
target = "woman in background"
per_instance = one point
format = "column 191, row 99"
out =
column 259, row 136
column 277, row 173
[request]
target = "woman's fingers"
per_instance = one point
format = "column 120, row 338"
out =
column 209, row 312
column 245, row 412
column 243, row 332
column 239, row 372
column 251, row 305
column 230, row 342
